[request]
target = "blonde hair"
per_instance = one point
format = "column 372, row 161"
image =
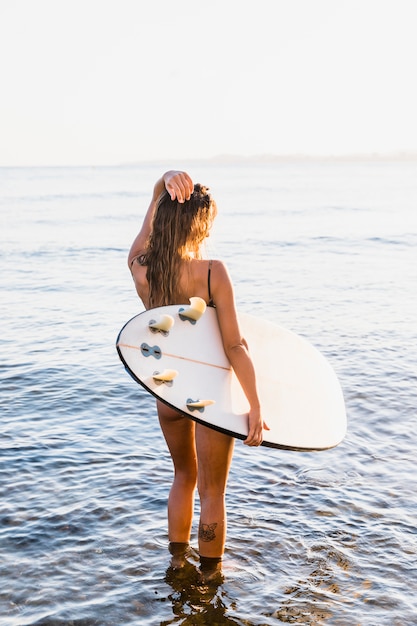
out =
column 178, row 230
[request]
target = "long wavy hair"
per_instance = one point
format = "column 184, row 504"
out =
column 178, row 230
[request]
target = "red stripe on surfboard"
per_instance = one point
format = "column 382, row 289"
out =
column 176, row 356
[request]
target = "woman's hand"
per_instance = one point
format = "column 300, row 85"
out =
column 179, row 185
column 256, row 427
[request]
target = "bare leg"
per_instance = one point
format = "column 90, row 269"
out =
column 214, row 453
column 179, row 435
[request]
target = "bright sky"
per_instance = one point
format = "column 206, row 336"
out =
column 115, row 81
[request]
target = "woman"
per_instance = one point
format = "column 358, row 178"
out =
column 167, row 268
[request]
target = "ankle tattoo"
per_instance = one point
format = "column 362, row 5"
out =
column 206, row 532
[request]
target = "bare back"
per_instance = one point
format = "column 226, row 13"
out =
column 192, row 281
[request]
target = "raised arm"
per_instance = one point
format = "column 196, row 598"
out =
column 179, row 186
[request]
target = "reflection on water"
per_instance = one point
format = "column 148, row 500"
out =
column 195, row 599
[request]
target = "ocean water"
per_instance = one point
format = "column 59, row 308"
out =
column 327, row 249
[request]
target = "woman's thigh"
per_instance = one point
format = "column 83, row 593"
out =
column 179, row 433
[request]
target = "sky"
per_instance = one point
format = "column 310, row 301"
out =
column 103, row 82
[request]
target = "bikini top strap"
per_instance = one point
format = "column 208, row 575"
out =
column 210, row 303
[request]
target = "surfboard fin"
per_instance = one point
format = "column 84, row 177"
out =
column 162, row 325
column 198, row 405
column 193, row 312
column 165, row 377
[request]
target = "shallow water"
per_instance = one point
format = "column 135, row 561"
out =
column 326, row 249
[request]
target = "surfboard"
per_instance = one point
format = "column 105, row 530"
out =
column 176, row 353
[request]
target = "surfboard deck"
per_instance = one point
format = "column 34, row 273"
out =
column 184, row 365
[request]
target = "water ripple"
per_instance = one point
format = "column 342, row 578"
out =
column 324, row 538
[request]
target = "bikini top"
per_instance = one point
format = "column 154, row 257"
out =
column 211, row 301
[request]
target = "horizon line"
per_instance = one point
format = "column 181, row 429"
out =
column 400, row 155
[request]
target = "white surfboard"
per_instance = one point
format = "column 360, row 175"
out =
column 176, row 353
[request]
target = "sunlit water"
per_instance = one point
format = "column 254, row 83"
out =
column 326, row 249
